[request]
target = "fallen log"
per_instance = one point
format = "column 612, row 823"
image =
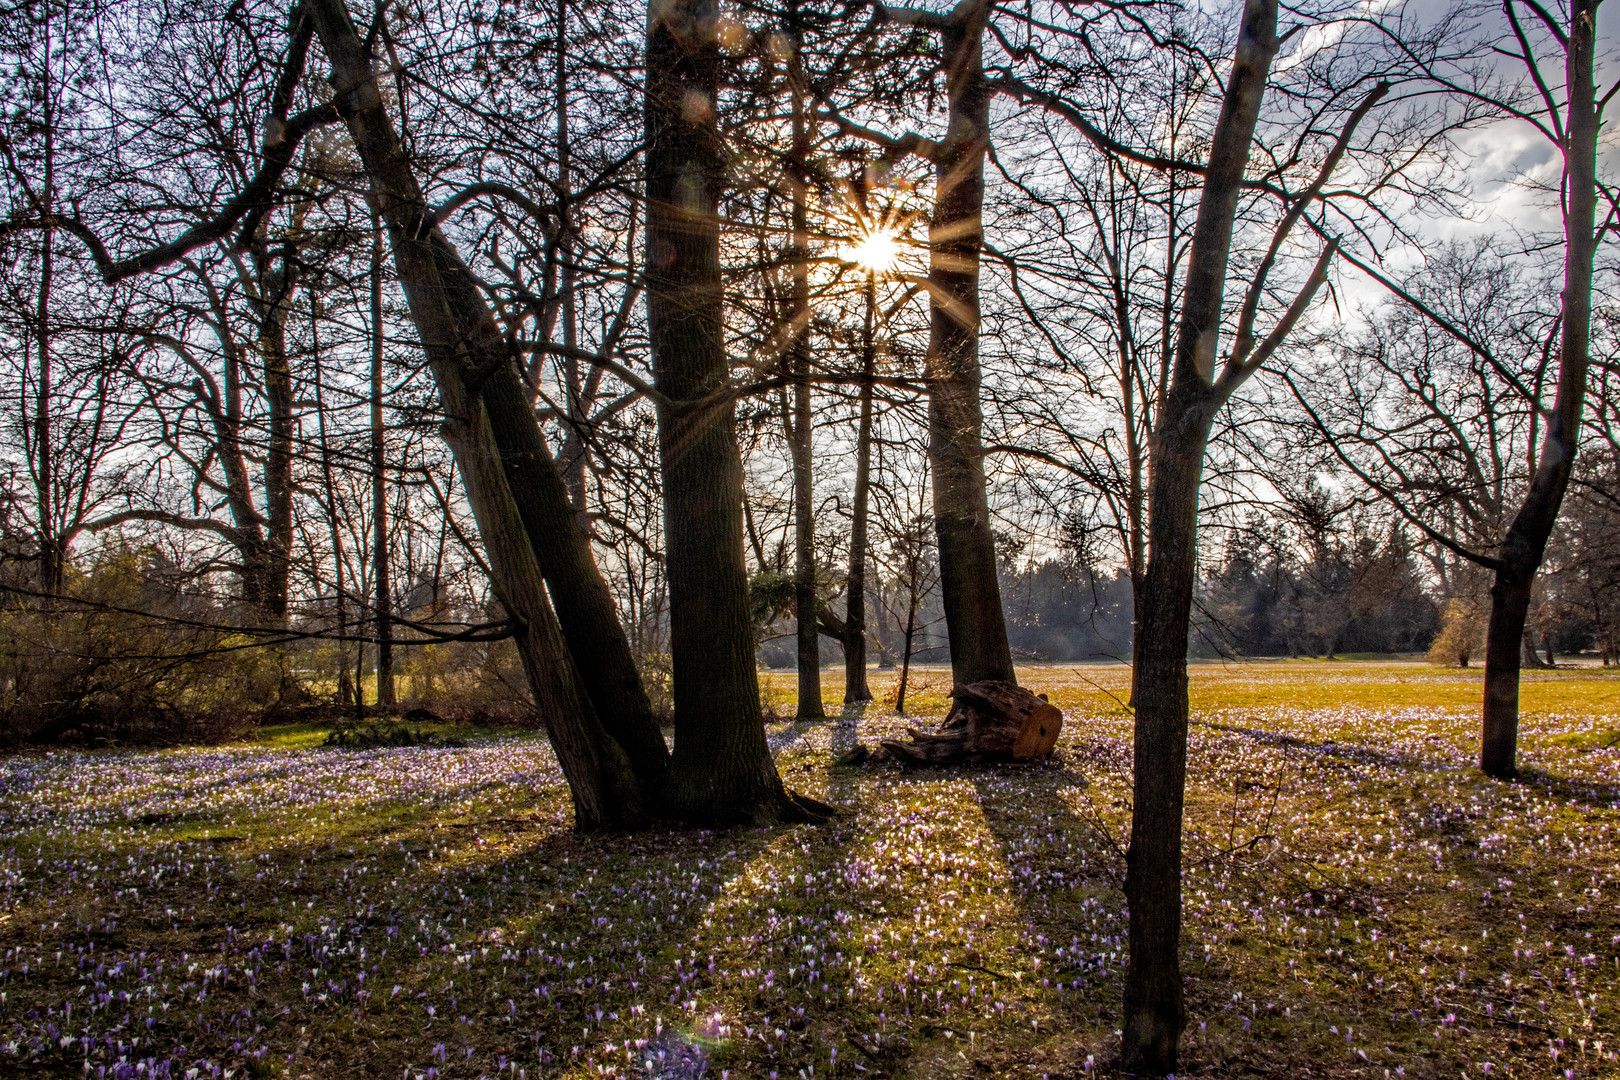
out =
column 988, row 721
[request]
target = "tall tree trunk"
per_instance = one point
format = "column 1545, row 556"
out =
column 52, row 552
column 382, row 584
column 257, row 558
column 722, row 769
column 464, row 345
column 278, row 395
column 575, row 448
column 347, row 687
column 913, row 602
column 856, row 689
column 974, row 621
column 1155, row 1009
column 805, row 605
column 52, row 556
column 1522, row 549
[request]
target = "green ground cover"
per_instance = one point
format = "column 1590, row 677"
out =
column 1360, row 901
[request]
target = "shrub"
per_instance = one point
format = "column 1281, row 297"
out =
column 1462, row 632
column 130, row 657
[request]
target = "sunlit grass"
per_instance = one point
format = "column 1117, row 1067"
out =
column 1359, row 900
column 306, row 736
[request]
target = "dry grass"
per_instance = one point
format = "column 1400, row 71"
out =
column 1359, row 901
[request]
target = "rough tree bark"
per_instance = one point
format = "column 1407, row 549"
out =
column 974, row 621
column 465, row 350
column 722, row 769
column 1525, row 543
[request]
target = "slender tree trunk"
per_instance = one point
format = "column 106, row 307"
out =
column 463, row 345
column 1520, row 555
column 257, row 559
column 1155, row 1009
column 806, row 607
column 913, row 601
column 974, row 619
column 722, row 769
column 856, row 689
column 347, row 689
column 382, row 586
column 575, row 448
column 51, row 554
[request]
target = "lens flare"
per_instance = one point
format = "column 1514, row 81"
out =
column 878, row 250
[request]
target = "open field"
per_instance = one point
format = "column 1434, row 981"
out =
column 1360, row 901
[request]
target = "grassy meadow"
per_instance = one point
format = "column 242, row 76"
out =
column 1360, row 902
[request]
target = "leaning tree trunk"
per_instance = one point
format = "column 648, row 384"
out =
column 1526, row 541
column 974, row 621
column 585, row 607
column 722, row 769
column 1155, row 1008
column 463, row 345
column 600, row 777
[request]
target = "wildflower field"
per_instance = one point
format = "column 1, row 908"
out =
column 1360, row 902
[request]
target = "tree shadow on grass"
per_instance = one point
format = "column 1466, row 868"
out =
column 462, row 939
column 575, row 950
column 1066, row 870
column 1595, row 794
column 1357, row 753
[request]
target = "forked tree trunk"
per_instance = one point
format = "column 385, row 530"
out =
column 1520, row 555
column 464, row 346
column 1155, row 1009
column 974, row 621
column 605, row 790
column 722, row 769
column 585, row 608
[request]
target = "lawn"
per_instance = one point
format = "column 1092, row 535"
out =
column 1359, row 901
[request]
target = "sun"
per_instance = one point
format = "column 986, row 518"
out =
column 878, row 250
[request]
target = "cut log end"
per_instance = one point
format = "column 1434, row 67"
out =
column 988, row 721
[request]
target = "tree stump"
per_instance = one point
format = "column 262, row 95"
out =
column 988, row 721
